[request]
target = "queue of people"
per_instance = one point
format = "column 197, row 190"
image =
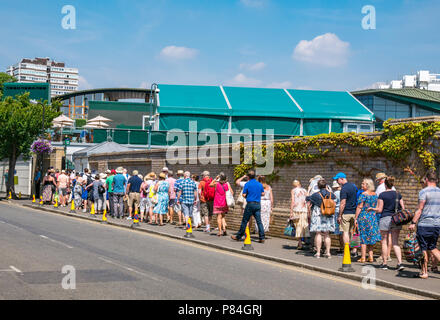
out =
column 366, row 211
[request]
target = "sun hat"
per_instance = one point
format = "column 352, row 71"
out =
column 164, row 169
column 135, row 172
column 380, row 176
column 335, row 185
column 119, row 170
column 162, row 175
column 318, row 177
column 179, row 171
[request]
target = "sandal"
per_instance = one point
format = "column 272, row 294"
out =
column 423, row 276
column 370, row 259
column 362, row 260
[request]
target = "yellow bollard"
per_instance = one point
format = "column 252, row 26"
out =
column 346, row 262
column 41, row 201
column 247, row 240
column 56, row 203
column 72, row 207
column 92, row 210
column 19, row 195
column 189, row 229
column 104, row 215
column 10, row 195
column 136, row 217
column 33, row 198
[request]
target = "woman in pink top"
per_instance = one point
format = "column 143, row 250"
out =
column 220, row 205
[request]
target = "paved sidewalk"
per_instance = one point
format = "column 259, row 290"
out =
column 279, row 250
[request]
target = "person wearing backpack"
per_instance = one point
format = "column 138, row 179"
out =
column 366, row 221
column 207, row 194
column 321, row 210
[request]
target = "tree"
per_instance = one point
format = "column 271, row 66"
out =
column 20, row 126
column 4, row 77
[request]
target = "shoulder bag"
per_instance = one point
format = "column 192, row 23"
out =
column 401, row 217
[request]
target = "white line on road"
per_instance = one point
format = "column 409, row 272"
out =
column 129, row 269
column 15, row 269
column 55, row 241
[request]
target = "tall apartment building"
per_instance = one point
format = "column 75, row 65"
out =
column 62, row 79
column 422, row 80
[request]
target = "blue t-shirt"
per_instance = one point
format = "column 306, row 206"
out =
column 349, row 193
column 253, row 189
column 389, row 202
column 135, row 184
column 119, row 183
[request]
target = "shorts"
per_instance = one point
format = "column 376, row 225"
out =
column 145, row 204
column 177, row 207
column 172, row 203
column 206, row 208
column 62, row 191
column 386, row 224
column 187, row 209
column 134, row 198
column 347, row 222
column 427, row 237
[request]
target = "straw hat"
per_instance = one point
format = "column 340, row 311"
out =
column 335, row 185
column 150, row 176
column 119, row 170
column 162, row 175
column 179, row 171
column 380, row 176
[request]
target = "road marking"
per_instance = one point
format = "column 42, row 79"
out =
column 129, row 269
column 55, row 241
column 15, row 269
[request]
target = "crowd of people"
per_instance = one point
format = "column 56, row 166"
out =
column 366, row 212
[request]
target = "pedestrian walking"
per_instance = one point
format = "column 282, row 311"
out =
column 366, row 221
column 196, row 209
column 386, row 205
column 133, row 193
column 98, row 190
column 49, row 184
column 119, row 192
column 162, row 190
column 253, row 191
column 62, row 186
column 427, row 219
column 337, row 192
column 380, row 181
column 109, row 187
column 145, row 203
column 172, row 194
column 178, row 206
column 298, row 213
column 321, row 224
column 266, row 205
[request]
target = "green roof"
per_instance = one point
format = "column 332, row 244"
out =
column 330, row 105
column 426, row 98
column 260, row 102
column 36, row 91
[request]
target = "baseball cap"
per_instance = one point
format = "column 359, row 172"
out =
column 340, row 175
column 113, row 171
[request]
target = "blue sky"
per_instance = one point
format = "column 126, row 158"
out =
column 264, row 43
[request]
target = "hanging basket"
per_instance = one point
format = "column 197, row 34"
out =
column 41, row 146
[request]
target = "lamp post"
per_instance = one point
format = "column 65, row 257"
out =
column 150, row 118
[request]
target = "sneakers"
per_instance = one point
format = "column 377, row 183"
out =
column 383, row 267
column 400, row 267
column 128, row 218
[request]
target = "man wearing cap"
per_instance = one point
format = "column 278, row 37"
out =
column 347, row 207
column 109, row 187
column 133, row 192
column 206, row 199
column 118, row 193
column 178, row 207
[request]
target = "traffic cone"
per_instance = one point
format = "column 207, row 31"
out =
column 19, row 195
column 72, row 207
column 56, row 203
column 41, row 201
column 135, row 218
column 247, row 241
column 189, row 230
column 33, row 198
column 104, row 215
column 346, row 262
column 10, row 195
column 92, row 210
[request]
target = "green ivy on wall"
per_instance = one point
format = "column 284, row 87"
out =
column 396, row 143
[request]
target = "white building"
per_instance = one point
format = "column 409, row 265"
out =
column 422, row 80
column 62, row 80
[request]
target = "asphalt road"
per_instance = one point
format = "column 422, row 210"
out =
column 116, row 263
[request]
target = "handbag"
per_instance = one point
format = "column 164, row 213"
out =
column 355, row 239
column 411, row 249
column 240, row 199
column 229, row 197
column 289, row 230
column 401, row 217
column 153, row 195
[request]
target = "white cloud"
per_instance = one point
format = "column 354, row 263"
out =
column 253, row 3
column 253, row 67
column 325, row 50
column 280, row 85
column 178, row 53
column 83, row 84
column 244, row 81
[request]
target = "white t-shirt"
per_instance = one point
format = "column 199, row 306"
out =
column 381, row 188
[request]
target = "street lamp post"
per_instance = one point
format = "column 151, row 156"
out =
column 151, row 120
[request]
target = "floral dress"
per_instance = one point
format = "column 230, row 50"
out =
column 162, row 198
column 367, row 222
column 266, row 208
column 299, row 213
column 320, row 222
